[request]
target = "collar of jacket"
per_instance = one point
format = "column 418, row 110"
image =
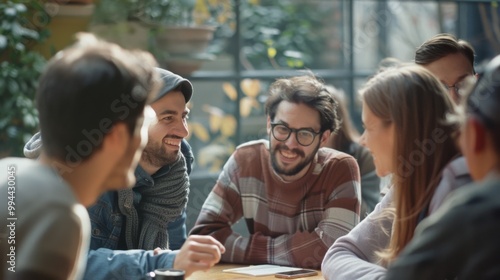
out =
column 144, row 179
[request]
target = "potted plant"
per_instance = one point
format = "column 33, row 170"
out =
column 184, row 29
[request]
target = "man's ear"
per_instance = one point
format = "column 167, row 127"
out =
column 268, row 125
column 479, row 137
column 325, row 136
column 116, row 140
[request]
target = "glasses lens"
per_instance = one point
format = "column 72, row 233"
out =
column 281, row 132
column 305, row 137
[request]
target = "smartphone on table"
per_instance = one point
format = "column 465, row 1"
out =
column 296, row 274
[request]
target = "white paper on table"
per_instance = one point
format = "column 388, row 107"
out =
column 261, row 269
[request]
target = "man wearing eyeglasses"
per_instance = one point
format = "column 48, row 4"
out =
column 449, row 59
column 295, row 197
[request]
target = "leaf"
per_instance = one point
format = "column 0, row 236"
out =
column 229, row 126
column 215, row 122
column 251, row 87
column 230, row 91
column 198, row 130
column 245, row 106
column 212, row 110
column 210, row 153
column 271, row 52
column 255, row 104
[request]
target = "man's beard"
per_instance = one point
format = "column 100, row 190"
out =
column 156, row 154
column 299, row 167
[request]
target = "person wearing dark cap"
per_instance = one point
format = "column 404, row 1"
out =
column 150, row 216
column 460, row 241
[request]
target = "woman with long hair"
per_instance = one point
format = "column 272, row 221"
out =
column 405, row 113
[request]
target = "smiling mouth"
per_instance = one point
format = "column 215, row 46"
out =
column 173, row 142
column 287, row 156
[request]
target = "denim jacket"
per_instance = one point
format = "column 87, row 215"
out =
column 108, row 258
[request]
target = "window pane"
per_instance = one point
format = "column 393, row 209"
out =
column 291, row 34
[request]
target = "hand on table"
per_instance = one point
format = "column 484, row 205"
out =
column 199, row 252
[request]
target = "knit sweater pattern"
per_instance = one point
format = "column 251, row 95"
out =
column 290, row 223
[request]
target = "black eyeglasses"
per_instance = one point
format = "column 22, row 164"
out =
column 458, row 86
column 304, row 136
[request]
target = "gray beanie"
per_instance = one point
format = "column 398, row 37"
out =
column 172, row 81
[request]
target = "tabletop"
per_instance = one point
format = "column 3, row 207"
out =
column 216, row 273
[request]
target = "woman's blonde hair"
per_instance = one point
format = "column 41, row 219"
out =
column 416, row 103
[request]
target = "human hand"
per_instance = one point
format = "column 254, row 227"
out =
column 159, row 250
column 199, row 252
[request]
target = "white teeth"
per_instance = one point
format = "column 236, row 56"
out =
column 288, row 154
column 173, row 143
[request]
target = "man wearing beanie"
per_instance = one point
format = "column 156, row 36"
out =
column 152, row 214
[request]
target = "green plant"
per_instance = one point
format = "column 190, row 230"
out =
column 114, row 11
column 283, row 34
column 186, row 12
column 20, row 68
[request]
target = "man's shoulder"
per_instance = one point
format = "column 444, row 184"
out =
column 332, row 156
column 479, row 194
column 30, row 172
column 17, row 162
column 467, row 204
column 250, row 153
column 35, row 183
column 254, row 144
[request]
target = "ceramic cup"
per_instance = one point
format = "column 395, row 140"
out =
column 169, row 274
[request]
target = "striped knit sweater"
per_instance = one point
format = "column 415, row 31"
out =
column 290, row 223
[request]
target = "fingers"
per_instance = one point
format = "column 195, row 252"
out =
column 156, row 251
column 209, row 240
column 198, row 253
column 209, row 253
column 159, row 250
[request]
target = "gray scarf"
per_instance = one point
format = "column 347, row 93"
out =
column 146, row 223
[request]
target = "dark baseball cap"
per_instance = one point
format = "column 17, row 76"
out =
column 484, row 99
column 172, row 81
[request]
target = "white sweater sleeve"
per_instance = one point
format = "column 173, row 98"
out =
column 352, row 256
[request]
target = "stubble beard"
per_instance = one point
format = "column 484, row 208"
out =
column 294, row 170
column 156, row 154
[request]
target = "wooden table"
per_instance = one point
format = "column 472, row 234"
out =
column 216, row 273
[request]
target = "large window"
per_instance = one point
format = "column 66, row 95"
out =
column 342, row 42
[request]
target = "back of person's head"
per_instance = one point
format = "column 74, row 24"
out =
column 440, row 46
column 412, row 100
column 87, row 88
column 346, row 133
column 306, row 90
column 484, row 101
column 388, row 63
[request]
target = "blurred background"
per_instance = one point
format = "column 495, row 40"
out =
column 231, row 50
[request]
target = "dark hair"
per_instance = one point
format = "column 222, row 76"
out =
column 309, row 91
column 484, row 100
column 442, row 45
column 347, row 132
column 86, row 89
